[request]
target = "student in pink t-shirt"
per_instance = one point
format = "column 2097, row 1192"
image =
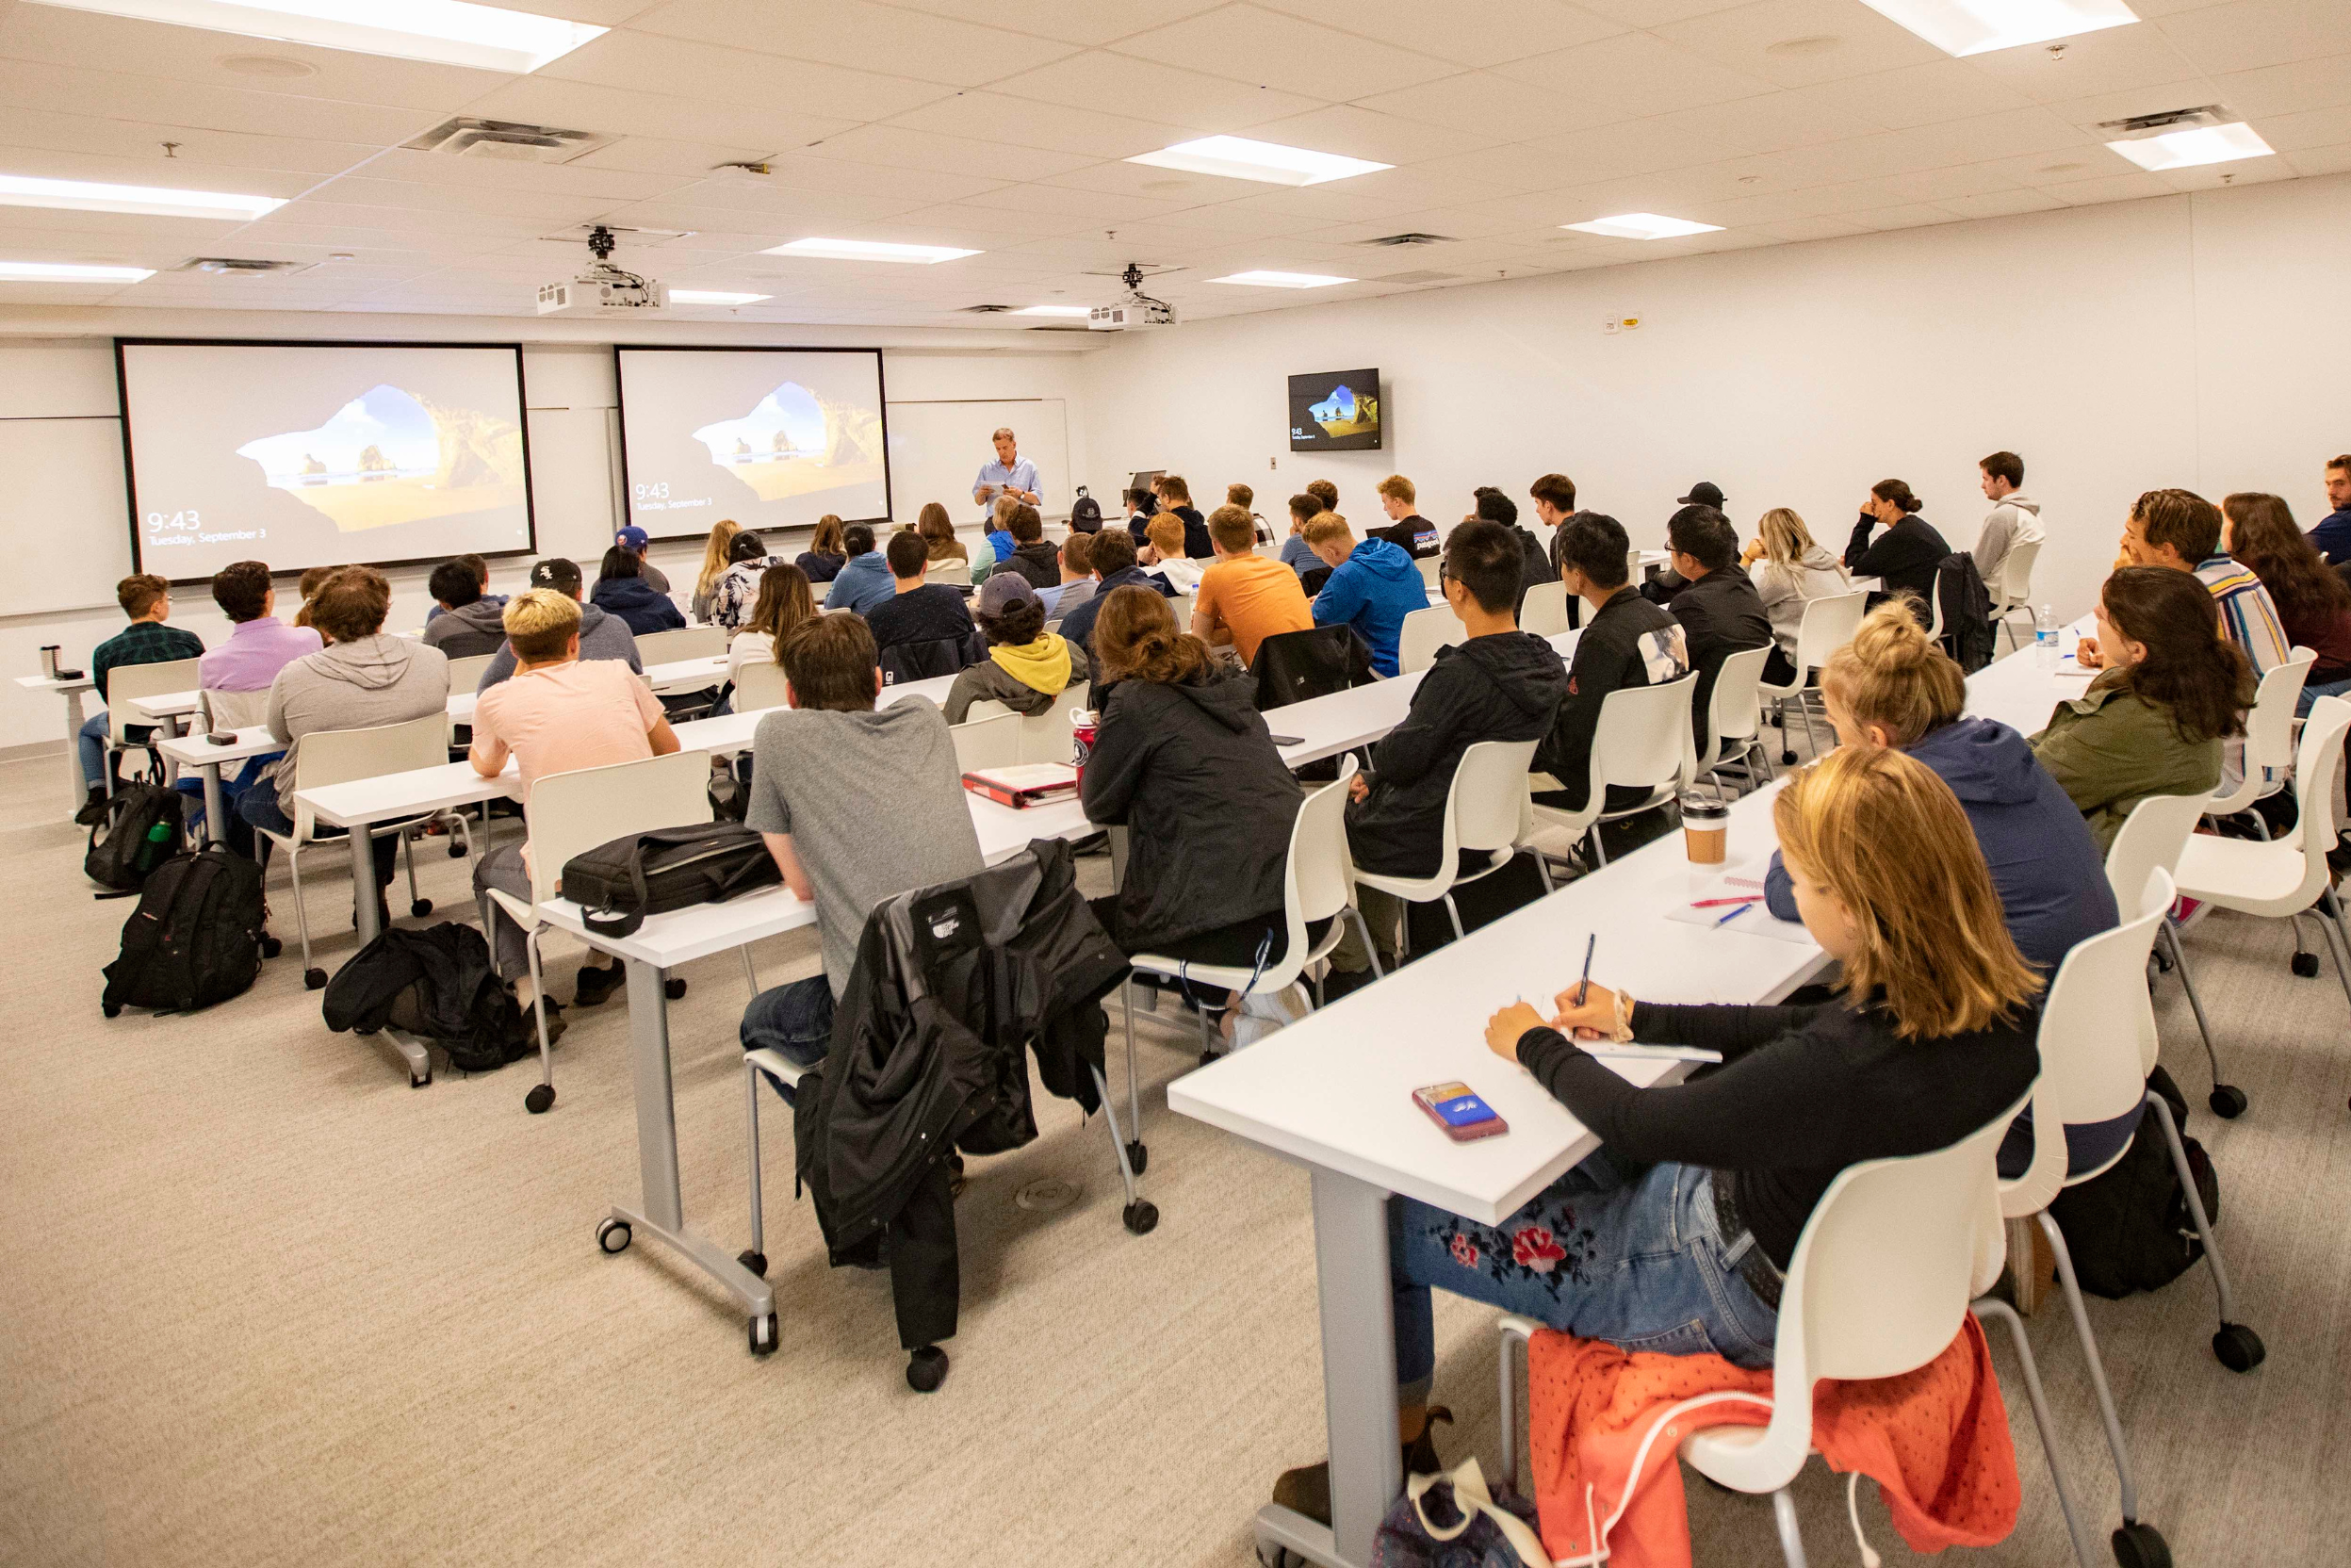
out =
column 557, row 714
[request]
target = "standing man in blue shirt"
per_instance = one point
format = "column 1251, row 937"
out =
column 2332, row 536
column 1010, row 475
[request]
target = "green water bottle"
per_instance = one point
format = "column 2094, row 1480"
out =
column 156, row 847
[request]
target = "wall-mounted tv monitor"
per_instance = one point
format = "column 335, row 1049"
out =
column 774, row 439
column 319, row 455
column 1336, row 410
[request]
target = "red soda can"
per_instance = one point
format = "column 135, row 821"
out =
column 1084, row 724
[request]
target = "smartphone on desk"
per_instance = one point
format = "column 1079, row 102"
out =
column 1457, row 1108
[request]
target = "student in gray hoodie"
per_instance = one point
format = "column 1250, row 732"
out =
column 601, row 636
column 2014, row 518
column 469, row 622
column 360, row 679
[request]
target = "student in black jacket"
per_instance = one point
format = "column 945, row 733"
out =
column 1627, row 641
column 1534, row 560
column 1718, row 607
column 1183, row 761
column 1033, row 555
column 1907, row 555
column 1176, row 495
column 1500, row 685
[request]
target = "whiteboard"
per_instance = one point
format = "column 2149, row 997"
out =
column 64, row 512
column 936, row 449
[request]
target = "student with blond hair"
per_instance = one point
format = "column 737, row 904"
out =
column 1407, row 530
column 784, row 602
column 1164, row 556
column 1789, row 570
column 1244, row 598
column 717, row 555
column 1372, row 587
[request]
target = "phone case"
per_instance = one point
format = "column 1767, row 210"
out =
column 1492, row 1126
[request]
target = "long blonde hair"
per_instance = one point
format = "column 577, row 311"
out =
column 1889, row 838
column 1892, row 675
column 714, row 561
column 784, row 603
column 1785, row 539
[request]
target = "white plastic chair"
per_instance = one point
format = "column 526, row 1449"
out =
column 953, row 572
column 569, row 812
column 692, row 641
column 1642, row 742
column 1544, row 610
column 2097, row 1041
column 759, row 686
column 1432, row 569
column 2268, row 737
column 2153, row 837
column 2014, row 591
column 1486, row 813
column 1423, row 633
column 1882, row 1277
column 1828, row 625
column 1317, row 883
column 1733, row 720
column 127, row 682
column 340, row 756
column 987, row 742
column 1044, row 737
column 465, row 674
column 2289, row 877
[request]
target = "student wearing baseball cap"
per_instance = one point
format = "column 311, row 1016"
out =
column 601, row 636
column 1704, row 493
column 1026, row 666
column 636, row 542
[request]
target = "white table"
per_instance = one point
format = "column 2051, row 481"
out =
column 2018, row 692
column 681, row 674
column 665, row 942
column 1333, row 1093
column 1341, row 721
column 163, row 707
column 71, row 691
column 195, row 751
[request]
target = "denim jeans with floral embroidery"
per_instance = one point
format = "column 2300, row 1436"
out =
column 1636, row 1261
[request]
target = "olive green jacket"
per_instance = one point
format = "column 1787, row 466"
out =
column 2110, row 749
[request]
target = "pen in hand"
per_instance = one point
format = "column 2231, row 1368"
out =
column 1584, row 983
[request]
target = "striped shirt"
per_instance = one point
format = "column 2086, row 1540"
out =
column 2249, row 616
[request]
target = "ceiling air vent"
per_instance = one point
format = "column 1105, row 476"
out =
column 1413, row 237
column 1422, row 276
column 241, row 266
column 986, row 310
column 2169, row 120
column 468, row 138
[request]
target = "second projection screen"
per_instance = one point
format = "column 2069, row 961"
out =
column 774, row 439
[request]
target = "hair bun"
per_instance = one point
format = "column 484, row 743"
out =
column 1911, row 503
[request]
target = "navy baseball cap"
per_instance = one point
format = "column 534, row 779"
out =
column 632, row 538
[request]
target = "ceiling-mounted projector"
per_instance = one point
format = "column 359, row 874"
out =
column 602, row 288
column 1137, row 309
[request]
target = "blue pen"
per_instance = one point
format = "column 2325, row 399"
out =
column 1733, row 915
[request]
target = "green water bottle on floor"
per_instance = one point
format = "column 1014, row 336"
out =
column 156, row 849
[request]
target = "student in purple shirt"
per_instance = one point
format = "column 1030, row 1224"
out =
column 235, row 676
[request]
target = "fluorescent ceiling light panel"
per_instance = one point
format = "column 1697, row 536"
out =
column 1236, row 157
column 1979, row 27
column 868, row 249
column 710, row 296
column 24, row 191
column 2191, row 148
column 68, row 271
column 1642, row 225
column 1282, row 280
column 1054, row 310
column 447, row 32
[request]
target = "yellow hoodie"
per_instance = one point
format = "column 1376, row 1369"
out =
column 1043, row 664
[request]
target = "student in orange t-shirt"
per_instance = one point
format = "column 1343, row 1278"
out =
column 1244, row 598
column 557, row 714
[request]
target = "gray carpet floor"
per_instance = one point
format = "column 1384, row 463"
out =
column 262, row 1304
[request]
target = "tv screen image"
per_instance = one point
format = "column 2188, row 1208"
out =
column 1336, row 410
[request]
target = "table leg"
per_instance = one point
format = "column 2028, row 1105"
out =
column 1358, row 1377
column 74, row 791
column 216, row 826
column 664, row 1214
column 363, row 883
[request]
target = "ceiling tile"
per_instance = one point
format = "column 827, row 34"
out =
column 791, row 175
column 1797, row 42
column 427, row 196
column 1636, row 147
column 1071, row 202
column 854, row 34
column 565, row 179
column 1920, row 94
column 1245, row 43
column 651, row 155
column 544, row 100
column 2254, row 33
column 705, row 73
column 1056, row 127
column 1157, row 92
column 2112, row 187
column 1637, row 73
column 1498, row 108
column 2295, row 133
column 2112, row 60
column 197, row 148
column 1657, row 13
column 1487, row 33
column 1816, row 228
column 1902, row 217
column 1058, row 19
column 2322, row 160
column 25, row 85
column 2318, row 84
column 895, row 146
column 1772, row 123
column 1356, row 132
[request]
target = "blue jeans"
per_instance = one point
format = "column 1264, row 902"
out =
column 794, row 1018
column 2311, row 693
column 1638, row 1262
column 91, row 746
column 258, row 806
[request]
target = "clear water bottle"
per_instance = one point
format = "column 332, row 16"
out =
column 2044, row 649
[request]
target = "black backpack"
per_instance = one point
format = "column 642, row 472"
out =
column 436, row 983
column 196, row 937
column 618, row 883
column 1086, row 514
column 125, row 845
column 2129, row 1229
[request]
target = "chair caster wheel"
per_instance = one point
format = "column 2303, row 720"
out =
column 2306, row 965
column 456, row 850
column 420, row 908
column 421, row 1080
column 2240, row 1349
column 1788, row 759
column 673, row 989
column 2141, row 1546
column 112, row 1009
column 613, row 1235
column 2228, row 1101
column 926, row 1369
column 754, row 1262
column 763, row 1335
column 1138, row 1156
column 314, row 979
column 271, row 947
column 1141, row 1218
column 541, row 1096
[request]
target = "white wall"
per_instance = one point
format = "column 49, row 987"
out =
column 2188, row 340
column 573, row 430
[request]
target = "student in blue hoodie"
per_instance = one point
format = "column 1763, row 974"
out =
column 1890, row 686
column 1372, row 586
column 622, row 591
column 864, row 581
